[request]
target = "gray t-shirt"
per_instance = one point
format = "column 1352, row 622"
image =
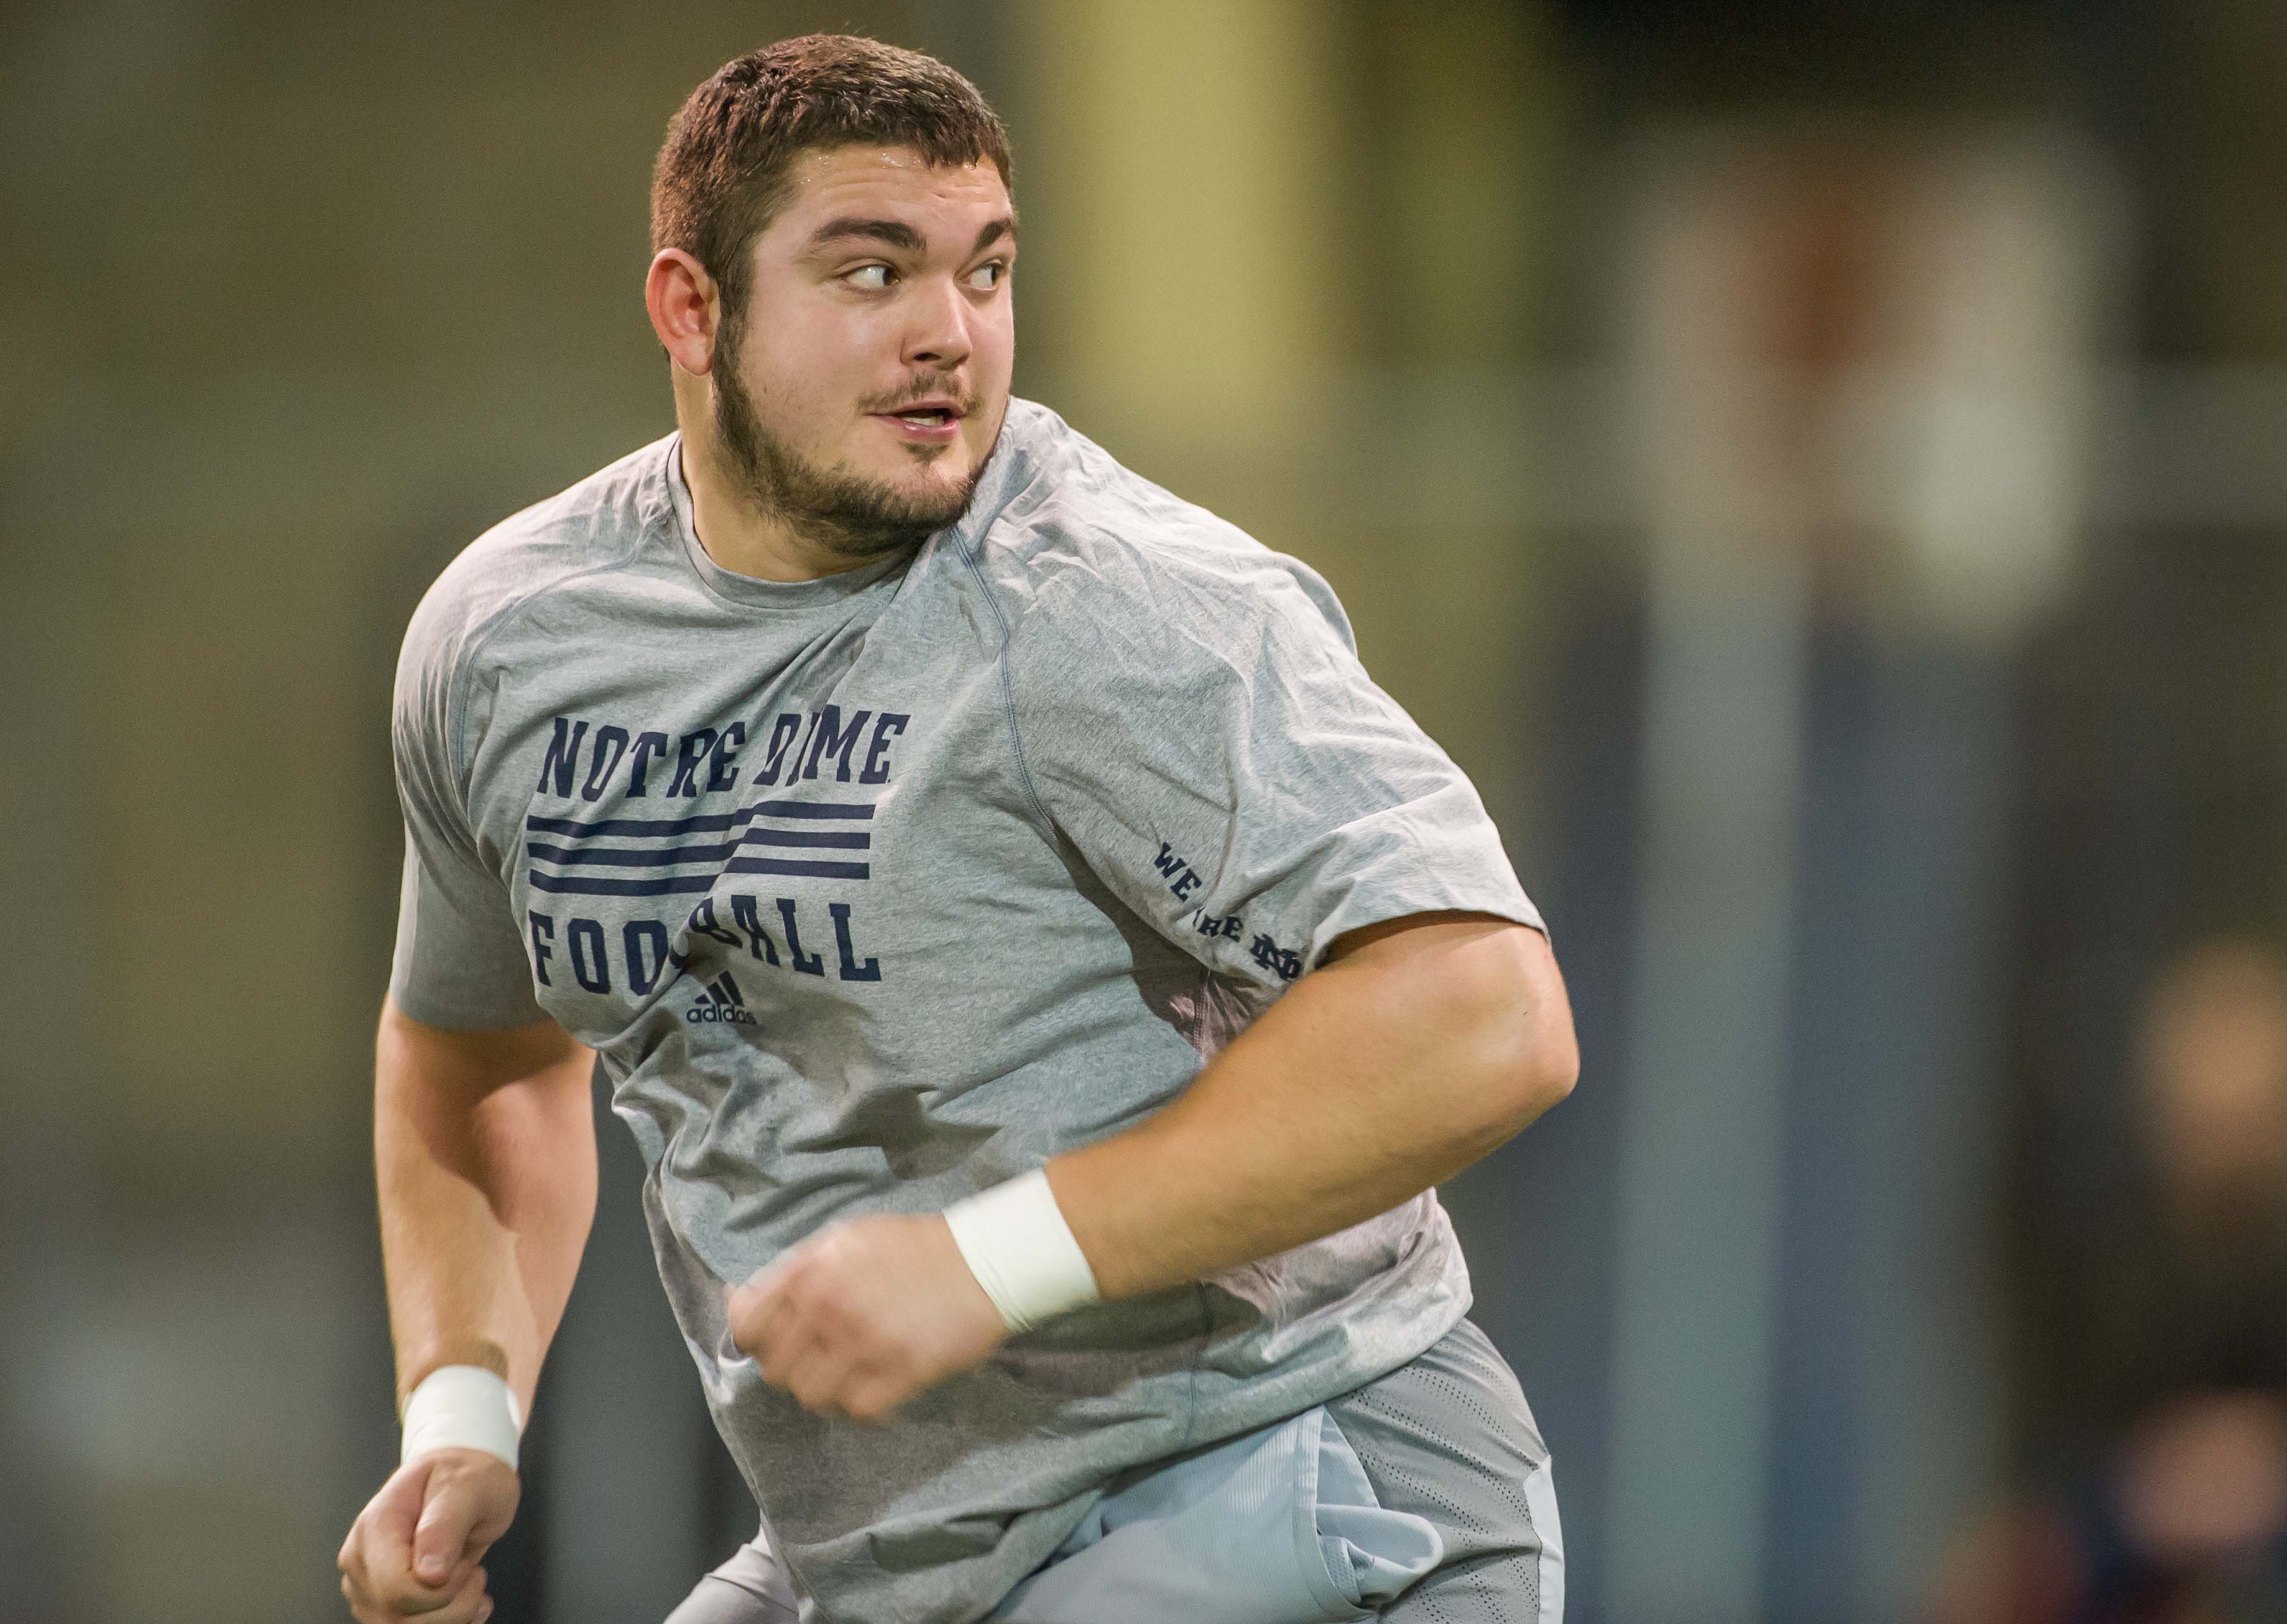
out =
column 875, row 890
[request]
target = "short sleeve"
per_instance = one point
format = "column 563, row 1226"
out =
column 1210, row 743
column 460, row 960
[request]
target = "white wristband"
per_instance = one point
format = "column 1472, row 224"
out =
column 463, row 1406
column 1016, row 1242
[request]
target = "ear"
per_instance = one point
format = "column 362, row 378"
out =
column 685, row 310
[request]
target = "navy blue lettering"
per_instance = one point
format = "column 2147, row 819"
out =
column 758, row 939
column 1186, row 879
column 1285, row 962
column 638, row 932
column 702, row 921
column 589, row 967
column 563, row 756
column 775, row 757
column 647, row 745
column 694, row 749
column 600, row 767
column 543, row 931
column 809, row 964
column 829, row 737
column 724, row 774
column 889, row 724
column 851, row 970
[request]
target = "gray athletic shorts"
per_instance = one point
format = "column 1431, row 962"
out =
column 1423, row 1497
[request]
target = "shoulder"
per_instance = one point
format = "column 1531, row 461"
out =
column 595, row 525
column 1085, row 552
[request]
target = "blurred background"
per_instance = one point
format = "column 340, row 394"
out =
column 1818, row 466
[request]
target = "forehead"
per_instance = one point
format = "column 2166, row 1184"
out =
column 891, row 182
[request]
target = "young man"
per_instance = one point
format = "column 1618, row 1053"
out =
column 1044, row 974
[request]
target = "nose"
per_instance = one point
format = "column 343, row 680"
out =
column 937, row 325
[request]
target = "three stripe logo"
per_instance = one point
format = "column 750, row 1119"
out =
column 720, row 1003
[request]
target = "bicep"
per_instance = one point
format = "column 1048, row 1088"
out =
column 1492, row 969
column 461, row 1067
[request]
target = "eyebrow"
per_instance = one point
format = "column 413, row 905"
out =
column 897, row 234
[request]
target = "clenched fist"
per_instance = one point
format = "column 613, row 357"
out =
column 865, row 1314
column 412, row 1552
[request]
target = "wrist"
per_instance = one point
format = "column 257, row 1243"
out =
column 1016, row 1242
column 463, row 1406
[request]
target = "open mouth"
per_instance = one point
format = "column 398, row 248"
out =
column 925, row 417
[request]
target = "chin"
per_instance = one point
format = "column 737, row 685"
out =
column 945, row 471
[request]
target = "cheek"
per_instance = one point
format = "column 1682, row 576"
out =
column 813, row 364
column 791, row 367
column 996, row 345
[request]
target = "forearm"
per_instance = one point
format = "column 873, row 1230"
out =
column 486, row 1158
column 1374, row 1077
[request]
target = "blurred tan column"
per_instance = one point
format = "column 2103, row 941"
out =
column 1182, row 148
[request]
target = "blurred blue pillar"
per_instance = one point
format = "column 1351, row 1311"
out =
column 1885, row 1406
column 1702, row 1119
column 1803, row 1388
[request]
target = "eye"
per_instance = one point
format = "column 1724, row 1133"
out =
column 873, row 279
column 989, row 275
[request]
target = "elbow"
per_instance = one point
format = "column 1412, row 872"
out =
column 1485, row 999
column 1540, row 1075
column 1554, row 1068
column 1541, row 1062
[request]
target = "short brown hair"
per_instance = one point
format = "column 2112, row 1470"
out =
column 721, row 173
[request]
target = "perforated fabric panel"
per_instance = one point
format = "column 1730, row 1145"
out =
column 1450, row 1437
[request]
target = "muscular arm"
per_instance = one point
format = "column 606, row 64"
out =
column 1419, row 1046
column 484, row 1148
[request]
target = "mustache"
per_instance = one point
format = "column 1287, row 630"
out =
column 938, row 386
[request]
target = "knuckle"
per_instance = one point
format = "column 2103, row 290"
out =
column 404, row 1599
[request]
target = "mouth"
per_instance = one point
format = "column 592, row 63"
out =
column 929, row 421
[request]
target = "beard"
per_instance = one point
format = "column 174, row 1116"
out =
column 846, row 513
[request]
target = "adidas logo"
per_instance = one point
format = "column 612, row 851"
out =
column 719, row 1002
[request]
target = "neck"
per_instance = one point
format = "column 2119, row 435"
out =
column 736, row 535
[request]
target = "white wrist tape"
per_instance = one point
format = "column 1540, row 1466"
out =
column 463, row 1406
column 1016, row 1242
